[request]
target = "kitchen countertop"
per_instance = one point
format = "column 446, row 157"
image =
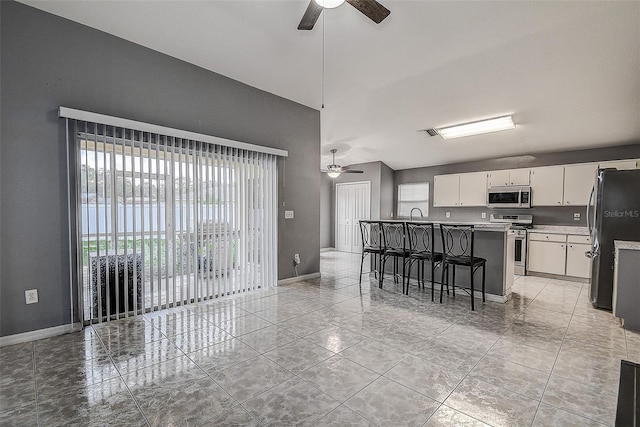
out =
column 496, row 226
column 560, row 229
column 625, row 244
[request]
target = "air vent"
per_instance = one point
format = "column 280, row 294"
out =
column 430, row 132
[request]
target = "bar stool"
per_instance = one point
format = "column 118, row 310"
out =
column 421, row 239
column 457, row 248
column 370, row 232
column 393, row 245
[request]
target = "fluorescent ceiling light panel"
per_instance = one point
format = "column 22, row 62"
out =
column 476, row 128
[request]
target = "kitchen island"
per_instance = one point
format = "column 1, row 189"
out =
column 495, row 243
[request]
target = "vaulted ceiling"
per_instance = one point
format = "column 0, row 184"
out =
column 569, row 72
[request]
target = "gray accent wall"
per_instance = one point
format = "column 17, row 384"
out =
column 387, row 204
column 47, row 62
column 326, row 212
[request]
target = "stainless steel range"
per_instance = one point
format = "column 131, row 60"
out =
column 519, row 226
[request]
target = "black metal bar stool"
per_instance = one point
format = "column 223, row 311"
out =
column 457, row 248
column 371, row 234
column 393, row 245
column 420, row 237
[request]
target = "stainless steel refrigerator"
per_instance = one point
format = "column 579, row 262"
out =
column 613, row 214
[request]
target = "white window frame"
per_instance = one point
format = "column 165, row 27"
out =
column 418, row 198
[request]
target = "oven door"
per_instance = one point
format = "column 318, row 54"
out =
column 520, row 253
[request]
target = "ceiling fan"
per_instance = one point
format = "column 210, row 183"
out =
column 371, row 8
column 334, row 171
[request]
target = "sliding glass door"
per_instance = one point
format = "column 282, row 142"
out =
column 165, row 221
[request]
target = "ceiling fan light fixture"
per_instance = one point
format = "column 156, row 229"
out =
column 329, row 4
column 479, row 127
column 333, row 174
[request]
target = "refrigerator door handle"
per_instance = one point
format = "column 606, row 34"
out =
column 593, row 252
column 593, row 190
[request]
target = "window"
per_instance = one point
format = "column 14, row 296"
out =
column 164, row 221
column 414, row 195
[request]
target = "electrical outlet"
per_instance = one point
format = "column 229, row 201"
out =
column 484, row 215
column 576, row 216
column 296, row 259
column 288, row 214
column 31, row 296
column 447, row 215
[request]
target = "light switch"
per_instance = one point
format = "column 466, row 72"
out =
column 288, row 214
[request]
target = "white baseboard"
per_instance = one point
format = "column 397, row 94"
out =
column 494, row 298
column 39, row 334
column 327, row 249
column 298, row 278
column 559, row 277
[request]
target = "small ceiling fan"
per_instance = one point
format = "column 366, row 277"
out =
column 371, row 8
column 334, row 171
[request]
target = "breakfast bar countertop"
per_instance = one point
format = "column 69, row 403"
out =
column 483, row 226
column 625, row 244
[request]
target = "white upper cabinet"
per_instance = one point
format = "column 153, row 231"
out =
column 460, row 189
column 561, row 185
column 547, row 185
column 519, row 177
column 619, row 164
column 446, row 190
column 498, row 178
column 578, row 182
column 473, row 189
column 508, row 177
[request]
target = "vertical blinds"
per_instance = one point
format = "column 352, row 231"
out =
column 164, row 220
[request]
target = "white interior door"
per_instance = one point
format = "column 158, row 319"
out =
column 353, row 203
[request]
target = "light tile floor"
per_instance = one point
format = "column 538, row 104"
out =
column 329, row 352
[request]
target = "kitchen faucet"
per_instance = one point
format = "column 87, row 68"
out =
column 411, row 213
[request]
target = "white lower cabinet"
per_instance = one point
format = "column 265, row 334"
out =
column 559, row 254
column 578, row 265
column 547, row 256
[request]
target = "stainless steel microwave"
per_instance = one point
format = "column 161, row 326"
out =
column 517, row 196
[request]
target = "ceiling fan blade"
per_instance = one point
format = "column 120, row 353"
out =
column 310, row 16
column 371, row 8
column 351, row 171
